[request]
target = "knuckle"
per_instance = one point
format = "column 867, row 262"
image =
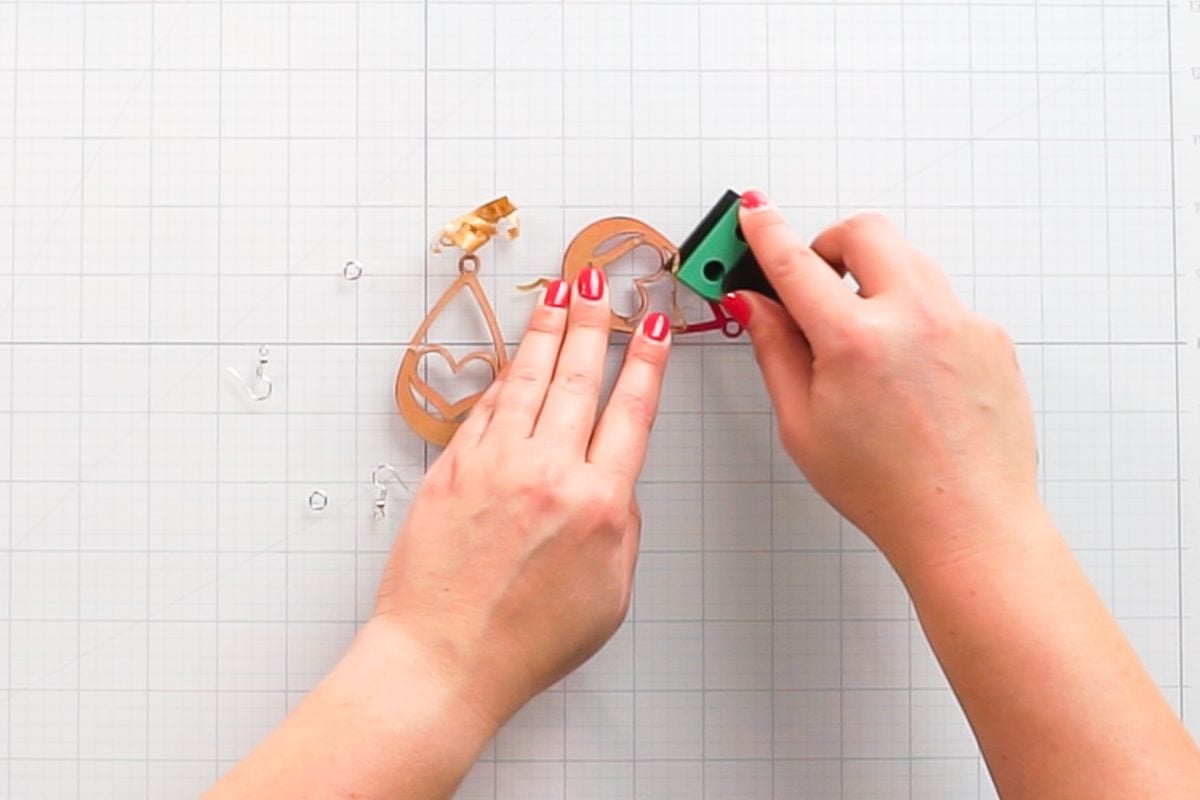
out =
column 485, row 406
column 546, row 474
column 636, row 406
column 787, row 260
column 859, row 338
column 545, row 324
column 579, row 381
column 614, row 522
column 604, row 509
column 840, row 343
column 870, row 350
column 931, row 323
column 595, row 319
column 524, row 375
column 539, row 484
column 866, row 223
column 653, row 357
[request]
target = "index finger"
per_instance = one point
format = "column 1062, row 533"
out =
column 874, row 251
column 623, row 433
column 811, row 291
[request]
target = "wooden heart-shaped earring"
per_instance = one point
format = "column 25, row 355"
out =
column 428, row 412
column 606, row 241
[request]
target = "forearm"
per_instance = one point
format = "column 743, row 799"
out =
column 1058, row 700
column 383, row 724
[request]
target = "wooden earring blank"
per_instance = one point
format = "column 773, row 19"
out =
column 426, row 410
column 428, row 413
column 606, row 241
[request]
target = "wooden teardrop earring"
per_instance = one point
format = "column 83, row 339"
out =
column 427, row 411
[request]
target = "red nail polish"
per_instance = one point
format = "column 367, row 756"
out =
column 656, row 326
column 591, row 284
column 558, row 292
column 754, row 199
column 738, row 308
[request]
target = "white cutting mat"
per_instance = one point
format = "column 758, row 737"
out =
column 182, row 182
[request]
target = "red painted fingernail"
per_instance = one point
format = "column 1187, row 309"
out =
column 754, row 199
column 591, row 284
column 738, row 308
column 558, row 292
column 656, row 326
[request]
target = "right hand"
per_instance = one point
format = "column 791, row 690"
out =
column 906, row 410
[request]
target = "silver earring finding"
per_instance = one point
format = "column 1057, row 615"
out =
column 260, row 387
column 379, row 479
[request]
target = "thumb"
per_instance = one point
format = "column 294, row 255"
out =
column 783, row 354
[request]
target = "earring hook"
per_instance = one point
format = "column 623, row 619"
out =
column 381, row 488
column 261, row 387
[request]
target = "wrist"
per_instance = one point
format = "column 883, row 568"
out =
column 385, row 723
column 395, row 660
column 407, row 707
column 969, row 535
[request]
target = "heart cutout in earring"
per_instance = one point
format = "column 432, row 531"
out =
column 428, row 412
column 451, row 408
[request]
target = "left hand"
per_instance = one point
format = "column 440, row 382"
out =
column 513, row 566
column 515, row 562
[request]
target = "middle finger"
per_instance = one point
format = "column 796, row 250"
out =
column 569, row 413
